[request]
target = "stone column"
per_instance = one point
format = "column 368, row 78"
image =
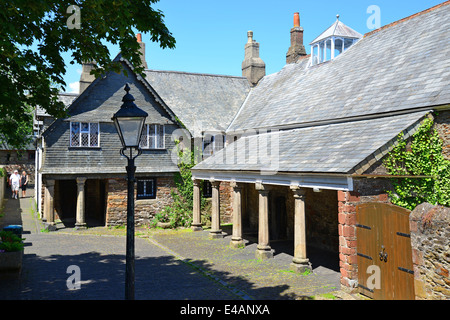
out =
column 80, row 223
column 236, row 238
column 215, row 232
column 196, row 214
column 49, row 206
column 300, row 262
column 263, row 249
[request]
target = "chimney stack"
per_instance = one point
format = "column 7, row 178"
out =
column 297, row 48
column 142, row 50
column 86, row 78
column 253, row 68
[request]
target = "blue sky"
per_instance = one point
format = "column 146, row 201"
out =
column 211, row 34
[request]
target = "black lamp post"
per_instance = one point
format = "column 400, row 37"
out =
column 129, row 121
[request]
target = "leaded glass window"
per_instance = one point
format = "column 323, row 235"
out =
column 152, row 137
column 84, row 134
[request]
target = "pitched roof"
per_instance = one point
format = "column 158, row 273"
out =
column 64, row 97
column 333, row 148
column 101, row 99
column 201, row 101
column 399, row 68
column 338, row 29
column 29, row 146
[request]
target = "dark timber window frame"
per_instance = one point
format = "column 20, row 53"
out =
column 146, row 188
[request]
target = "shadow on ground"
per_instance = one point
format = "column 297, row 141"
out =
column 207, row 270
column 102, row 277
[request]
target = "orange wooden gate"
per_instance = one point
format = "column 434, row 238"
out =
column 385, row 268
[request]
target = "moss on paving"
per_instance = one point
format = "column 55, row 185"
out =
column 235, row 266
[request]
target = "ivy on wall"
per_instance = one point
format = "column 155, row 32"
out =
column 179, row 213
column 422, row 156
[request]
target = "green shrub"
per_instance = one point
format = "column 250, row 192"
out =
column 10, row 242
column 179, row 213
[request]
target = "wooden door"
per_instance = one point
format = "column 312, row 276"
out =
column 384, row 248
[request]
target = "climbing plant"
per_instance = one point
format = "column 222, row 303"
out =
column 422, row 156
column 179, row 213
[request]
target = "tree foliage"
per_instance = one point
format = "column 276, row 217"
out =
column 34, row 34
column 421, row 157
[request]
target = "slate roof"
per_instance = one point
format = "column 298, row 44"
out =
column 333, row 148
column 203, row 102
column 6, row 146
column 338, row 29
column 402, row 67
column 343, row 115
column 64, row 97
column 98, row 103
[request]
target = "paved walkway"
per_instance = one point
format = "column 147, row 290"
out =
column 170, row 265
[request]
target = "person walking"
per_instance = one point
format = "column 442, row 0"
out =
column 24, row 183
column 14, row 181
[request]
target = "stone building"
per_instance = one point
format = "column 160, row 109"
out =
column 310, row 139
column 289, row 155
column 81, row 172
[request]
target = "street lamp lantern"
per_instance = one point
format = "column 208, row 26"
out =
column 129, row 121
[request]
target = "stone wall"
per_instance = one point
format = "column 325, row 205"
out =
column 20, row 161
column 226, row 202
column 430, row 242
column 145, row 209
column 365, row 190
column 226, row 206
column 321, row 213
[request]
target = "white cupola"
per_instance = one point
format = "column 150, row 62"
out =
column 333, row 41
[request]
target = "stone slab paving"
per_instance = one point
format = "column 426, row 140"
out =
column 101, row 261
column 269, row 279
column 170, row 265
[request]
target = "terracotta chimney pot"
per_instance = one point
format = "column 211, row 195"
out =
column 297, row 48
column 296, row 20
column 139, row 37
